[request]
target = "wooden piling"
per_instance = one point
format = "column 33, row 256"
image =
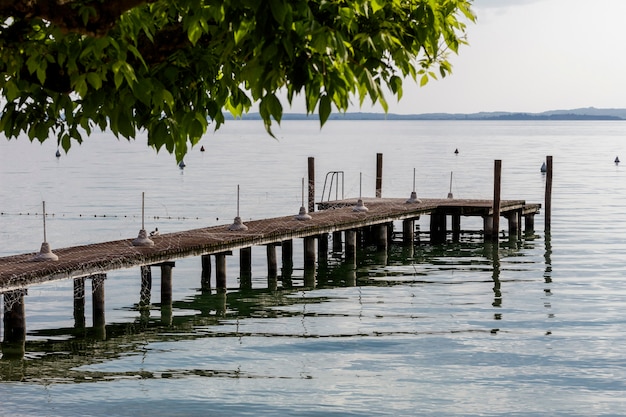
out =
column 311, row 174
column 79, row 302
column 438, row 228
column 456, row 227
column 287, row 262
column 245, row 268
column 337, row 242
column 322, row 247
column 548, row 197
column 381, row 236
column 514, row 223
column 309, row 251
column 205, row 281
column 408, row 231
column 220, row 271
column 379, row 175
column 351, row 246
column 272, row 265
column 497, row 182
column 97, row 300
column 529, row 223
column 14, row 320
column 166, row 283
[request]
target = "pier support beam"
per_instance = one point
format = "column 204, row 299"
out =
column 245, row 268
column 456, row 227
column 514, row 224
column 220, row 271
column 287, row 259
column 14, row 342
column 146, row 286
column 309, row 252
column 529, row 224
column 272, row 266
column 438, row 228
column 97, row 304
column 497, row 181
column 311, row 173
column 408, row 231
column 166, row 283
column 380, row 236
column 337, row 242
column 379, row 175
column 488, row 227
column 351, row 246
column 205, row 280
column 322, row 247
column 79, row 303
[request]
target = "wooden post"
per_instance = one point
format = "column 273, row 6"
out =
column 272, row 266
column 548, row 199
column 309, row 251
column 337, row 242
column 245, row 268
column 497, row 181
column 14, row 343
column 514, row 223
column 529, row 223
column 438, row 228
column 205, row 281
column 408, row 231
column 287, row 258
column 322, row 247
column 456, row 227
column 166, row 283
column 351, row 246
column 379, row 175
column 146, row 286
column 311, row 173
column 97, row 300
column 220, row 271
column 381, row 237
column 488, row 227
column 79, row 303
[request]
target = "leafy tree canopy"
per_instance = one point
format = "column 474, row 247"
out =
column 171, row 67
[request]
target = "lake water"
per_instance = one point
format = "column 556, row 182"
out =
column 535, row 327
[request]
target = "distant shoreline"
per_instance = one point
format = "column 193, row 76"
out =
column 583, row 114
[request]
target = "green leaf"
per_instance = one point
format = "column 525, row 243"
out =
column 324, row 109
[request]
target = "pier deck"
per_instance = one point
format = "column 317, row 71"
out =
column 19, row 271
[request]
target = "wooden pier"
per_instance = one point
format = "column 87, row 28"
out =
column 348, row 221
column 20, row 271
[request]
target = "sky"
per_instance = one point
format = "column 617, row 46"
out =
column 530, row 56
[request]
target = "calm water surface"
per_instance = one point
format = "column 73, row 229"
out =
column 531, row 327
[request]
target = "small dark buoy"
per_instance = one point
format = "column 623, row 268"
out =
column 456, row 151
column 181, row 164
column 544, row 167
column 58, row 154
column 616, row 160
column 202, row 148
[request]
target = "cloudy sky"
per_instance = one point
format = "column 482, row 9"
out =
column 532, row 56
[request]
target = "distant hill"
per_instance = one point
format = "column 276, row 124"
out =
column 587, row 113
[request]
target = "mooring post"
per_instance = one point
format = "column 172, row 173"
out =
column 497, row 181
column 79, row 302
column 220, row 271
column 245, row 268
column 205, row 280
column 548, row 202
column 14, row 343
column 287, row 260
column 311, row 173
column 97, row 301
column 379, row 175
column 146, row 286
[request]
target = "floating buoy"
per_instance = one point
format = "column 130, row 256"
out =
column 202, row 148
column 616, row 160
column 58, row 154
column 456, row 151
column 181, row 164
column 544, row 167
